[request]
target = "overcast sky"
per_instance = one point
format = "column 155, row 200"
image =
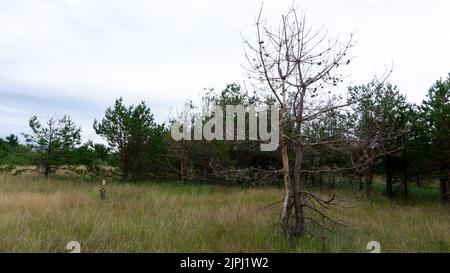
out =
column 77, row 56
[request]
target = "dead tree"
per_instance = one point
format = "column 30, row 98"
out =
column 299, row 67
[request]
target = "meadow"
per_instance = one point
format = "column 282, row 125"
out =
column 40, row 214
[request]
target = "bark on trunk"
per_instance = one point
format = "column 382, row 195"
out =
column 293, row 191
column 288, row 198
column 299, row 217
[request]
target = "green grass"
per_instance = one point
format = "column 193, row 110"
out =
column 43, row 215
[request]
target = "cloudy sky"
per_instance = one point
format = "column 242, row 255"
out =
column 77, row 56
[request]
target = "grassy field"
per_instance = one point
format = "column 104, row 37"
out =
column 42, row 215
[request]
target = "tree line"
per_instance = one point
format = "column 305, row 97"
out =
column 381, row 134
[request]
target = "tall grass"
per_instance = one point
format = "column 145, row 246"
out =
column 43, row 215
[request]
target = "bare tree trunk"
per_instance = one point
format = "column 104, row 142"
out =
column 299, row 217
column 288, row 199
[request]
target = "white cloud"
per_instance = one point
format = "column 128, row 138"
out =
column 165, row 51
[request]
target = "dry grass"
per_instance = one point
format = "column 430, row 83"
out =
column 42, row 215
